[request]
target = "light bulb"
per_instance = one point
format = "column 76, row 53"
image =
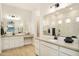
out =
column 59, row 22
column 77, row 19
column 68, row 20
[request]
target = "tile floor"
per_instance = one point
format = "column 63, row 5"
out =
column 21, row 51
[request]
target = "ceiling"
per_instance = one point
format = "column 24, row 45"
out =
column 31, row 6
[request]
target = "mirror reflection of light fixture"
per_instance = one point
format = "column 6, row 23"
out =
column 57, row 5
column 77, row 19
column 12, row 17
column 68, row 20
column 59, row 22
column 9, row 17
column 71, row 8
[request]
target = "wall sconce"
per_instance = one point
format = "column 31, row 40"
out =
column 9, row 17
column 59, row 22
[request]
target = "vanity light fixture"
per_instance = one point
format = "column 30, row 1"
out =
column 77, row 19
column 9, row 17
column 68, row 20
column 12, row 17
column 56, row 5
column 59, row 22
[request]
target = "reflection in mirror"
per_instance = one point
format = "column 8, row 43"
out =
column 64, row 22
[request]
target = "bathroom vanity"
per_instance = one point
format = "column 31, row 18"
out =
column 10, row 42
column 51, row 47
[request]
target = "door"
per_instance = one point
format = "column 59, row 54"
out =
column 43, row 50
column 52, row 52
column 18, row 41
column 5, row 43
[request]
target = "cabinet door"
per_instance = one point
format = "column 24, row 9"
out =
column 5, row 43
column 48, row 49
column 52, row 52
column 18, row 41
column 43, row 50
column 27, row 41
column 11, row 42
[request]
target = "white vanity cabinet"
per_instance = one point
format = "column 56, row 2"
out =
column 47, row 49
column 12, row 42
column 18, row 41
column 50, row 49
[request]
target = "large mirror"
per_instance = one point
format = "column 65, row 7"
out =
column 64, row 22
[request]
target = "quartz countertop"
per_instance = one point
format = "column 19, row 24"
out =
column 61, row 43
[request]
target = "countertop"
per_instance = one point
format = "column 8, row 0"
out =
column 61, row 43
column 17, row 36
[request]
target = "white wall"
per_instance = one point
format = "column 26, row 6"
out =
column 35, row 18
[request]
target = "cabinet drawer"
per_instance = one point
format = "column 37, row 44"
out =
column 49, row 45
column 62, row 54
column 69, row 52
